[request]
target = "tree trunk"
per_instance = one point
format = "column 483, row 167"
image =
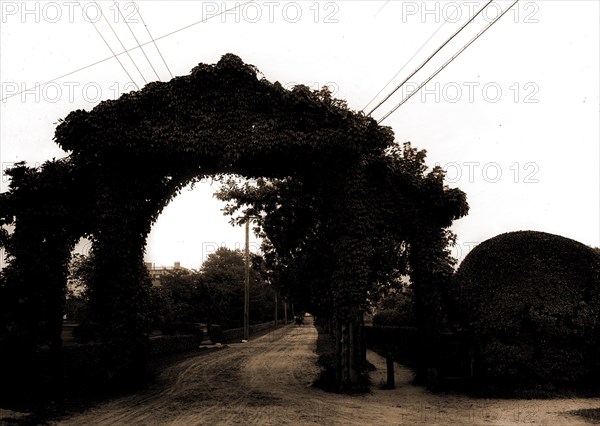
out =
column 363, row 341
column 348, row 350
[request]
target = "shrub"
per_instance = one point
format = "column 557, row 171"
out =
column 87, row 331
column 164, row 345
column 215, row 333
column 390, row 317
column 182, row 328
column 397, row 310
column 530, row 302
column 85, row 365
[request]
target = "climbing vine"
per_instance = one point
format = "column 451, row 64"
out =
column 342, row 206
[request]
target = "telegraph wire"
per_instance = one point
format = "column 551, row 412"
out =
column 136, row 40
column 114, row 55
column 487, row 27
column 237, row 6
column 382, row 7
column 154, row 41
column 431, row 57
column 405, row 65
column 122, row 45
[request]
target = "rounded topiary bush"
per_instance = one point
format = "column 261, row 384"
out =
column 530, row 303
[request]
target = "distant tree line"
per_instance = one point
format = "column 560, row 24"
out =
column 212, row 295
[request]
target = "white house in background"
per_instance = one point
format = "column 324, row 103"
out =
column 156, row 272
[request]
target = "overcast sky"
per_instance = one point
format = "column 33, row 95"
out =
column 514, row 119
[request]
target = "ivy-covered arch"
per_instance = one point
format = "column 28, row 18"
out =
column 129, row 157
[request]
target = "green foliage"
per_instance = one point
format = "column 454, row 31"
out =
column 531, row 302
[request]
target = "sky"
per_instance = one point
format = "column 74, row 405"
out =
column 514, row 119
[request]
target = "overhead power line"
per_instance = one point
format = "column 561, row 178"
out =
column 405, row 65
column 382, row 7
column 430, row 57
column 114, row 55
column 154, row 41
column 237, row 6
column 487, row 27
column 122, row 45
column 136, row 40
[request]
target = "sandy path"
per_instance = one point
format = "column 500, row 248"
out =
column 267, row 382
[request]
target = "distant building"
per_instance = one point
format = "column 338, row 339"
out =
column 156, row 272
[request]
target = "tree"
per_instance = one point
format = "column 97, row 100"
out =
column 80, row 270
column 334, row 245
column 221, row 287
column 396, row 309
column 182, row 300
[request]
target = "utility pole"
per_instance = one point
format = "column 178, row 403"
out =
column 247, row 283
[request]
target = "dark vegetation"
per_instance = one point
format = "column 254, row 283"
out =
column 327, row 361
column 529, row 303
column 344, row 212
column 396, row 309
column 523, row 320
column 327, row 185
column 43, row 405
column 186, row 298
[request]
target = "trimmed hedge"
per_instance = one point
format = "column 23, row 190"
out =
column 530, row 302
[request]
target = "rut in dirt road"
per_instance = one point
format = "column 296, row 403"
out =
column 242, row 382
column 267, row 382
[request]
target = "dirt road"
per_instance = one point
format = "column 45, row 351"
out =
column 267, row 382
